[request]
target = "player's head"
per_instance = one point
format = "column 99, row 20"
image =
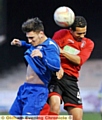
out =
column 34, row 30
column 79, row 28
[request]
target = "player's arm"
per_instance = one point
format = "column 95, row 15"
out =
column 86, row 52
column 52, row 59
column 20, row 43
column 82, row 56
column 24, row 44
column 73, row 58
column 58, row 37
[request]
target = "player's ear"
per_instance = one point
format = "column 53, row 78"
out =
column 41, row 33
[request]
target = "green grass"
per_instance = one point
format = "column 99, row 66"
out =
column 4, row 113
column 92, row 116
column 89, row 116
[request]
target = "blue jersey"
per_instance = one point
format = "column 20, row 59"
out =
column 50, row 61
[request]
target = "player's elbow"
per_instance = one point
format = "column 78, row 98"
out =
column 78, row 61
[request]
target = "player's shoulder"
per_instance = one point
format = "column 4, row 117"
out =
column 89, row 41
column 51, row 42
column 61, row 33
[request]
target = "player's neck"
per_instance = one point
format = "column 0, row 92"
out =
column 44, row 38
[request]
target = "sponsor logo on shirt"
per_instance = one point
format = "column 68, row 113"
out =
column 83, row 44
column 71, row 50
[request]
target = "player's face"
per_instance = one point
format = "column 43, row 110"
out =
column 34, row 38
column 79, row 33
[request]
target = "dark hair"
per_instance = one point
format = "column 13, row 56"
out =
column 33, row 24
column 78, row 22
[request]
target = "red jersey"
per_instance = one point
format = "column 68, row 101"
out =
column 83, row 49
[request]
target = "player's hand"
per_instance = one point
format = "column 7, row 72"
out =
column 60, row 73
column 16, row 42
column 36, row 52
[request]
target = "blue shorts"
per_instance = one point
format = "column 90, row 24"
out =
column 30, row 99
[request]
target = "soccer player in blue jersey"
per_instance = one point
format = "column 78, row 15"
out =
column 32, row 95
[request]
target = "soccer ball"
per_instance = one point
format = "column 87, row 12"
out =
column 64, row 16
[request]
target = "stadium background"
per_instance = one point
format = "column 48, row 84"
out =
column 12, row 68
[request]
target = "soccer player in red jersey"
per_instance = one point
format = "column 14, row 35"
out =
column 75, row 49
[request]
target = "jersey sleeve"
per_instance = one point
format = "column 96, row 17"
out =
column 24, row 44
column 86, row 51
column 51, row 58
